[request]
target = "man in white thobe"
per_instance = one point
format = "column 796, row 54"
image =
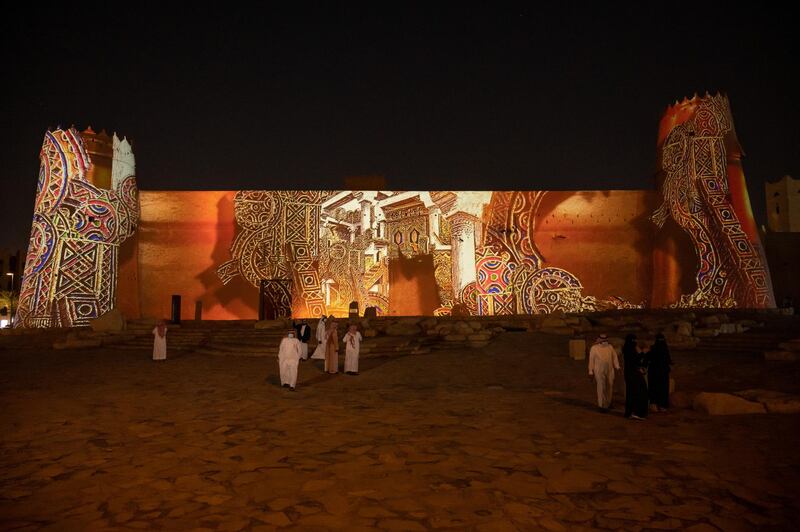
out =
column 352, row 342
column 321, row 336
column 288, row 360
column 602, row 363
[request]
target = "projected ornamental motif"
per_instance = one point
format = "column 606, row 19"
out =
column 71, row 267
column 338, row 247
column 303, row 253
column 703, row 190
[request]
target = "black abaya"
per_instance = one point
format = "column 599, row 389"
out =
column 635, row 386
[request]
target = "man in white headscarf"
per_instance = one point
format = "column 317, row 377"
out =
column 602, row 363
column 352, row 342
column 321, row 336
column 289, row 353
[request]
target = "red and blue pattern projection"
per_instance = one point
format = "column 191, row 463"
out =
column 691, row 243
column 71, row 266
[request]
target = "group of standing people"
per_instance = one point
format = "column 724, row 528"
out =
column 294, row 347
column 646, row 372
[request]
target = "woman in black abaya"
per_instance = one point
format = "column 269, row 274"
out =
column 635, row 385
column 658, row 373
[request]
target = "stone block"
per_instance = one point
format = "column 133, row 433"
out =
column 271, row 324
column 113, row 320
column 429, row 323
column 577, row 349
column 706, row 333
column 455, row 338
column 370, row 333
column 727, row 328
column 677, row 341
column 784, row 356
column 553, row 322
column 791, row 345
column 479, row 337
column 683, row 328
column 723, row 404
column 774, row 402
column 403, row 328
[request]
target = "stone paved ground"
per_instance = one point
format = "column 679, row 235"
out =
column 500, row 439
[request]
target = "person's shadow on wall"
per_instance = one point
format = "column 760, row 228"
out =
column 238, row 293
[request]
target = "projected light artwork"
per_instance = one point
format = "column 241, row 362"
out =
column 337, row 247
column 703, row 190
column 71, row 266
column 692, row 242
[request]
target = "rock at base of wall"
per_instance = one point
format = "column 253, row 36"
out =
column 784, row 356
column 577, row 349
column 403, row 329
column 725, row 404
column 683, row 328
column 271, row 324
column 552, row 322
column 113, row 320
column 567, row 331
column 706, row 333
column 791, row 345
column 677, row 341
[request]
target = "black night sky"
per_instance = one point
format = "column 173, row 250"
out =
column 435, row 98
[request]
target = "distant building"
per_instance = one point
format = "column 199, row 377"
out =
column 11, row 262
column 782, row 239
column 783, row 205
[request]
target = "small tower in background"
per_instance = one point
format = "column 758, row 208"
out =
column 783, row 205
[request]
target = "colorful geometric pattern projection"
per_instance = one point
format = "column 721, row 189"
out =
column 701, row 180
column 337, row 247
column 315, row 252
column 484, row 254
column 71, row 267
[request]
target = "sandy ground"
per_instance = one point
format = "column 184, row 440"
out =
column 505, row 438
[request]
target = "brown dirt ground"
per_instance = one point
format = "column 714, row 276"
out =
column 503, row 438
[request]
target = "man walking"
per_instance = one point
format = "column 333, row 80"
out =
column 288, row 359
column 602, row 363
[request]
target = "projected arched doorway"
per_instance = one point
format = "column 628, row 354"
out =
column 275, row 299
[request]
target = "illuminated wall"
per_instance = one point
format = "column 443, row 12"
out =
column 72, row 261
column 422, row 252
column 704, row 192
column 691, row 243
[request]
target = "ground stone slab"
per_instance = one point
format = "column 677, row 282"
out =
column 720, row 404
column 774, row 402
